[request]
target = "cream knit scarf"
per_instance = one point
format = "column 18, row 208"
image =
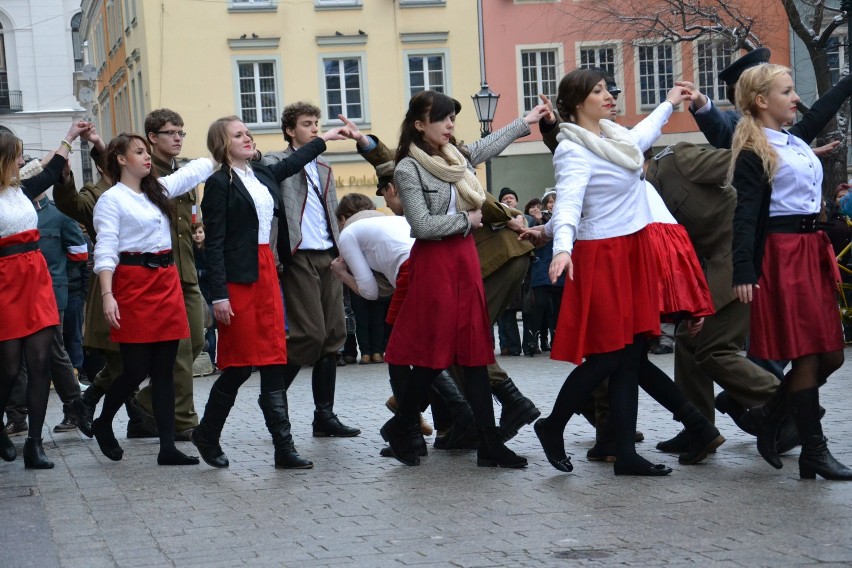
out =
column 617, row 146
column 451, row 166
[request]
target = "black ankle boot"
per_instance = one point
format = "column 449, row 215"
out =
column 703, row 436
column 726, row 404
column 493, row 453
column 677, row 445
column 604, row 448
column 767, row 420
column 517, row 409
column 815, row 458
column 462, row 435
column 553, row 445
column 106, row 440
column 7, row 448
column 34, row 457
column 84, row 408
column 402, row 438
column 206, row 435
column 326, row 424
column 276, row 414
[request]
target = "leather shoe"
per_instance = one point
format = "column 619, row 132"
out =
column 184, row 435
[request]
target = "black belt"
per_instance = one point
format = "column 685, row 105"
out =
column 795, row 224
column 21, row 248
column 147, row 259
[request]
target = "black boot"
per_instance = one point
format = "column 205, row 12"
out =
column 493, row 453
column 34, row 457
column 517, row 410
column 529, row 343
column 326, row 424
column 553, row 444
column 7, row 448
column 726, row 404
column 402, row 439
column 140, row 422
column 677, row 445
column 276, row 414
column 106, row 440
column 703, row 436
column 604, row 448
column 84, row 408
column 767, row 420
column 815, row 457
column 462, row 435
column 206, row 435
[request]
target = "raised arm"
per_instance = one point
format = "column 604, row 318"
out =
column 815, row 119
column 295, row 162
column 496, row 142
column 186, row 178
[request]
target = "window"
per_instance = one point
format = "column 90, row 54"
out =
column 140, row 103
column 538, row 75
column 129, row 14
column 76, row 43
column 262, row 5
column 4, row 77
column 86, row 160
column 426, row 72
column 407, row 3
column 602, row 57
column 835, row 54
column 712, row 57
column 656, row 73
column 337, row 3
column 343, row 88
column 258, row 94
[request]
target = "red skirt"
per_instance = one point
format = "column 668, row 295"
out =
column 794, row 312
column 444, row 319
column 256, row 334
column 27, row 301
column 150, row 305
column 614, row 296
column 399, row 292
column 683, row 286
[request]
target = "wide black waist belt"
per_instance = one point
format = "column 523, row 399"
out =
column 795, row 224
column 147, row 259
column 20, row 248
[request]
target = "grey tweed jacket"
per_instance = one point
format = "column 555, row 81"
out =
column 426, row 199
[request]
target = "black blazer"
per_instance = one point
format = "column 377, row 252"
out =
column 230, row 219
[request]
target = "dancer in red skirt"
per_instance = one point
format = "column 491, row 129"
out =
column 143, row 301
column 239, row 203
column 784, row 263
column 612, row 297
column 27, row 303
column 444, row 320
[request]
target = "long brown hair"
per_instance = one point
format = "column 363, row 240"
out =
column 430, row 105
column 151, row 188
column 10, row 148
column 218, row 139
column 573, row 90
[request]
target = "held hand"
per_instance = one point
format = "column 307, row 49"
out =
column 822, row 151
column 339, row 266
column 535, row 235
column 352, row 132
column 111, row 311
column 550, row 118
column 517, row 224
column 537, row 113
column 745, row 292
column 338, row 133
column 561, row 262
column 698, row 98
column 77, row 128
column 678, row 94
column 475, row 218
column 222, row 312
column 693, row 326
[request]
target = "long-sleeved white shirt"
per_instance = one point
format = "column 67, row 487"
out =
column 378, row 244
column 797, row 185
column 597, row 199
column 315, row 233
column 263, row 204
column 127, row 221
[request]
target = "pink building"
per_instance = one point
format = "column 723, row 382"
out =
column 531, row 44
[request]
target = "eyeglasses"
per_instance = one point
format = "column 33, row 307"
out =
column 172, row 133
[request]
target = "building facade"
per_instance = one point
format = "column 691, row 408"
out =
column 39, row 52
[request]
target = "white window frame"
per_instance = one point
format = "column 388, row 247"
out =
column 422, row 3
column 841, row 55
column 236, row 61
column 618, row 53
column 560, row 67
column 716, row 91
column 677, row 65
column 252, row 5
column 445, row 56
column 337, row 4
column 327, row 120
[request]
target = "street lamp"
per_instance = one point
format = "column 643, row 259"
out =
column 485, row 104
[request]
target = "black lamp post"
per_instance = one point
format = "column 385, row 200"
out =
column 485, row 104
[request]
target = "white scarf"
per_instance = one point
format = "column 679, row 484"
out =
column 617, row 147
column 451, row 166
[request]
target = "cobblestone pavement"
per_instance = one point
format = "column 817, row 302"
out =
column 358, row 509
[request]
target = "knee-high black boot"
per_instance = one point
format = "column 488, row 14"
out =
column 815, row 457
column 326, row 424
column 206, row 435
column 276, row 414
column 517, row 410
column 767, row 420
column 462, row 434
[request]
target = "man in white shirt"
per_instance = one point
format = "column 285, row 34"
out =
column 313, row 296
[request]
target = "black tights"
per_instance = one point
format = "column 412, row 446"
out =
column 812, row 371
column 141, row 360
column 659, row 386
column 271, row 379
column 35, row 349
column 477, row 392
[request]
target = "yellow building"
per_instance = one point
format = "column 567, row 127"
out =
column 253, row 57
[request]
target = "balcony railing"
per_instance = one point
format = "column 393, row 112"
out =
column 11, row 101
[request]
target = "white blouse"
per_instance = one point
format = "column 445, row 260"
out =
column 797, row 185
column 263, row 203
column 376, row 243
column 17, row 213
column 127, row 221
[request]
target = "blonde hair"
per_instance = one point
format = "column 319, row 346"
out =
column 218, row 139
column 749, row 134
column 10, row 148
